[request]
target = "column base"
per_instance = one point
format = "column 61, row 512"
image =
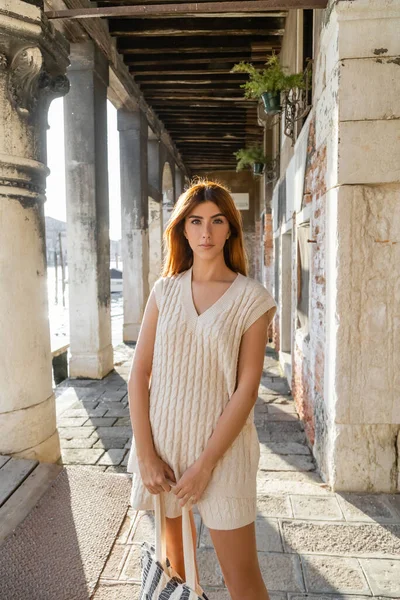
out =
column 365, row 458
column 48, row 451
column 131, row 332
column 92, row 366
column 27, row 427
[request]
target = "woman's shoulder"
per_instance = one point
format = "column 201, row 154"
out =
column 259, row 293
column 163, row 285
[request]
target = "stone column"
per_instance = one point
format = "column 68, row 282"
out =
column 153, row 163
column 155, row 204
column 85, row 121
column 33, row 60
column 178, row 182
column 133, row 130
column 357, row 425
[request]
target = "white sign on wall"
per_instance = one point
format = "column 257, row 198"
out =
column 242, row 201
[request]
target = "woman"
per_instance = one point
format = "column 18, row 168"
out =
column 202, row 343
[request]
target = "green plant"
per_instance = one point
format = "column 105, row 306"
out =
column 271, row 79
column 246, row 157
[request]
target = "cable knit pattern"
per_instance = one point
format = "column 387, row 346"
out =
column 193, row 377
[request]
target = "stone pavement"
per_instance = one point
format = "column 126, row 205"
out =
column 312, row 544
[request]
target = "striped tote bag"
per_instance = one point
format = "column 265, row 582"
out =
column 159, row 580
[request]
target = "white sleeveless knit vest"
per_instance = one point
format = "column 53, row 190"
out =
column 193, row 377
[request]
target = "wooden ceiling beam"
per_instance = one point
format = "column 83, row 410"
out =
column 165, row 84
column 206, row 59
column 185, row 8
column 148, row 75
column 193, row 32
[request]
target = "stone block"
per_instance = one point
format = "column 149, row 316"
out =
column 100, row 421
column 121, row 432
column 132, row 568
column 376, row 35
column 357, row 447
column 112, row 395
column 273, row 506
column 394, row 501
column 143, row 527
column 290, row 482
column 368, row 152
column 75, row 432
column 324, row 508
column 278, row 387
column 288, row 462
column 81, row 456
column 268, row 536
column 345, row 539
column 84, row 412
column 282, row 432
column 281, row 572
column 115, row 411
column 334, row 574
column 112, row 457
column 383, row 576
column 109, row 590
column 111, row 442
column 125, row 529
column 123, row 422
column 281, row 416
column 115, row 561
column 79, row 443
column 209, row 568
column 285, row 448
column 367, row 507
column 71, row 422
column 87, row 405
column 381, row 74
column 116, row 469
column 281, row 408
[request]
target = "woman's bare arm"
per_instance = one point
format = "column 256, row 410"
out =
column 138, row 383
column 234, row 416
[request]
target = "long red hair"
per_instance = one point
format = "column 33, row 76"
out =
column 179, row 255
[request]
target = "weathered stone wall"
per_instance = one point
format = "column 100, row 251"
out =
column 344, row 378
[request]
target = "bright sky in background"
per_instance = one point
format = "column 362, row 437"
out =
column 55, row 205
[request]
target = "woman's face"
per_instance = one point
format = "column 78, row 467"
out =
column 206, row 229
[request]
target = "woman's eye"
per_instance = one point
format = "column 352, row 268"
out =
column 194, row 221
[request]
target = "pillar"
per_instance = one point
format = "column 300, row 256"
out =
column 155, row 204
column 358, row 423
column 30, row 77
column 133, row 130
column 178, row 182
column 85, row 122
column 153, row 164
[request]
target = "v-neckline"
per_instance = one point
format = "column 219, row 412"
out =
column 216, row 306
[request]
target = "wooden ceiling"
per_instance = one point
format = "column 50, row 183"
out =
column 182, row 64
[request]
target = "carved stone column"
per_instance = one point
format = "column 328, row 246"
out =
column 33, row 59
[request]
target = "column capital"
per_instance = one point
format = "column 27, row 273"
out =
column 85, row 56
column 131, row 119
column 33, row 57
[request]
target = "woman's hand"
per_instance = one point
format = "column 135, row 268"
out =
column 155, row 472
column 192, row 484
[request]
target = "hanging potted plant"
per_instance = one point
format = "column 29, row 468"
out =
column 253, row 156
column 268, row 83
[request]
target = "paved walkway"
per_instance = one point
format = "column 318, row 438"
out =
column 312, row 544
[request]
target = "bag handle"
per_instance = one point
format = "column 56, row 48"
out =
column 161, row 539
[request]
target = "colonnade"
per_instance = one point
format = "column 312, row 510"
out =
column 37, row 65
